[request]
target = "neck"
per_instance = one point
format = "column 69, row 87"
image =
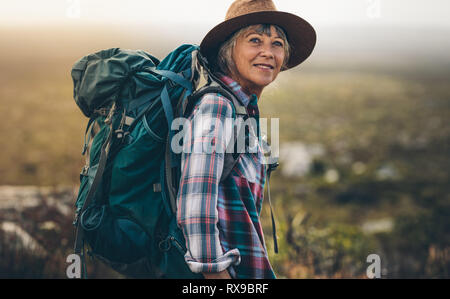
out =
column 249, row 91
column 247, row 87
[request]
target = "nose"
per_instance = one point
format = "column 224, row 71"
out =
column 266, row 51
column 267, row 54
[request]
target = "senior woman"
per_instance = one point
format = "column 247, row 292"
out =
column 220, row 219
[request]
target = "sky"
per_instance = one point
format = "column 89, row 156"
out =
column 405, row 13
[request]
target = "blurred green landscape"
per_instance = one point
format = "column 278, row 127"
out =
column 364, row 146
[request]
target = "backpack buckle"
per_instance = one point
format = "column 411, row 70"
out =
column 272, row 167
column 119, row 133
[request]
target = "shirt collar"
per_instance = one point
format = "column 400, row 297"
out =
column 237, row 89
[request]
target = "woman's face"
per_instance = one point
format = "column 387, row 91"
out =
column 258, row 59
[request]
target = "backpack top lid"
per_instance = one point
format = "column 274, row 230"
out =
column 98, row 78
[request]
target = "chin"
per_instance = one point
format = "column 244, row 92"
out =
column 262, row 81
column 263, row 78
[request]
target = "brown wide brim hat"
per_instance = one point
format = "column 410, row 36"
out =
column 242, row 13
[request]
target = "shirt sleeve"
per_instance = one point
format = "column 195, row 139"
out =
column 204, row 145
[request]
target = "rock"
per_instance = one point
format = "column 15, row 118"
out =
column 20, row 239
column 382, row 225
column 19, row 198
column 30, row 214
column 296, row 158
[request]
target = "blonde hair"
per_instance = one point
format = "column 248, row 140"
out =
column 224, row 62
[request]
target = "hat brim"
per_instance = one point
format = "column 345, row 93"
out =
column 300, row 34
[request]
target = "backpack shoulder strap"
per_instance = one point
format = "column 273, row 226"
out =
column 230, row 159
column 214, row 87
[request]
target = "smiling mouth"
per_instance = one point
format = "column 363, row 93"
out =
column 264, row 66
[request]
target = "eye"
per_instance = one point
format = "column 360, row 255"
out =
column 278, row 44
column 255, row 40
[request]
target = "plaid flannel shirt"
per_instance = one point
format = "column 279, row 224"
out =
column 220, row 220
